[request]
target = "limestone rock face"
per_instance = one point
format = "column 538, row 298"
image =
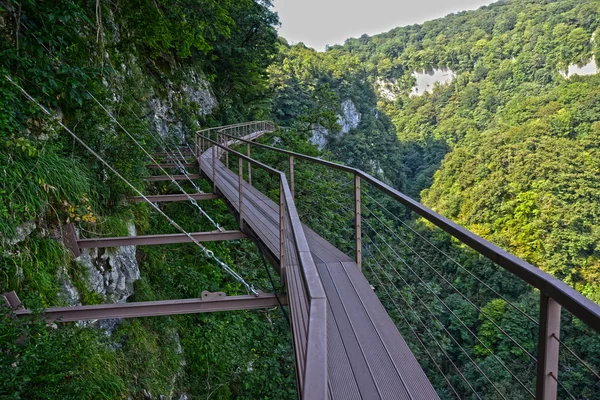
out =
column 195, row 92
column 112, row 272
column 319, row 136
column 350, row 117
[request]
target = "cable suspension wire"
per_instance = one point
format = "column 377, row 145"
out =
column 562, row 386
column 412, row 328
column 451, row 285
column 206, row 251
column 448, row 308
column 454, row 261
column 576, row 356
column 451, row 312
column 436, row 319
column 192, row 200
column 171, row 154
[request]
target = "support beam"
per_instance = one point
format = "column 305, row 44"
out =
column 70, row 239
column 158, row 166
column 209, row 302
column 164, row 154
column 548, row 349
column 358, row 221
column 174, row 197
column 160, row 178
column 159, row 239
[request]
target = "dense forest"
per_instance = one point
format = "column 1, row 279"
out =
column 509, row 148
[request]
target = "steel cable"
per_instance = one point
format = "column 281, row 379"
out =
column 192, row 200
column 455, row 262
column 452, row 286
column 412, row 328
column 453, row 314
column 438, row 321
column 206, row 251
column 576, row 356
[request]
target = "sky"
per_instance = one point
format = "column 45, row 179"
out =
column 318, row 23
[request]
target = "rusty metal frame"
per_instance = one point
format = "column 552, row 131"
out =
column 173, row 197
column 170, row 165
column 161, row 178
column 208, row 302
column 150, row 240
column 166, row 154
column 358, row 221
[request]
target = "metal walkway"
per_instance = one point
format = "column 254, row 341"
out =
column 367, row 358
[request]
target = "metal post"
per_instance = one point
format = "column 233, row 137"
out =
column 249, row 165
column 281, row 227
column 240, row 189
column 214, row 160
column 226, row 144
column 292, row 176
column 357, row 221
column 548, row 349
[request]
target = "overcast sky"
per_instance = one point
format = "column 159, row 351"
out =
column 318, row 23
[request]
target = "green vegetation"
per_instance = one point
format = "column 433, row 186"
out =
column 205, row 63
column 508, row 148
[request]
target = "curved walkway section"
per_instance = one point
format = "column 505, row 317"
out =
column 367, row 356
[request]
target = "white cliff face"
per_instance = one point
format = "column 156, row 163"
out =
column 589, row 69
column 348, row 120
column 112, row 272
column 386, row 89
column 195, row 92
column 427, row 80
column 350, row 117
column 319, row 136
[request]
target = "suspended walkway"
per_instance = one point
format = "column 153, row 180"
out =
column 346, row 345
column 367, row 358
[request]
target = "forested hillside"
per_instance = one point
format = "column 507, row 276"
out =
column 508, row 147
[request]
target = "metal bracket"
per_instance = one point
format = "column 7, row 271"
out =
column 70, row 238
column 12, row 300
column 212, row 296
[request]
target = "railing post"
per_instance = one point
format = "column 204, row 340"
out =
column 548, row 349
column 240, row 189
column 214, row 170
column 357, row 221
column 249, row 165
column 292, row 176
column 226, row 144
column 281, row 227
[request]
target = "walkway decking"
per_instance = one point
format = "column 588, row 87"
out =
column 367, row 356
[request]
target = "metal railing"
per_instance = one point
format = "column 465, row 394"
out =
column 306, row 296
column 554, row 294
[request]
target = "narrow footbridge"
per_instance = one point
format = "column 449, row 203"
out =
column 356, row 273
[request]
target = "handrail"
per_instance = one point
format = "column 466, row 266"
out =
column 314, row 375
column 577, row 304
column 554, row 293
